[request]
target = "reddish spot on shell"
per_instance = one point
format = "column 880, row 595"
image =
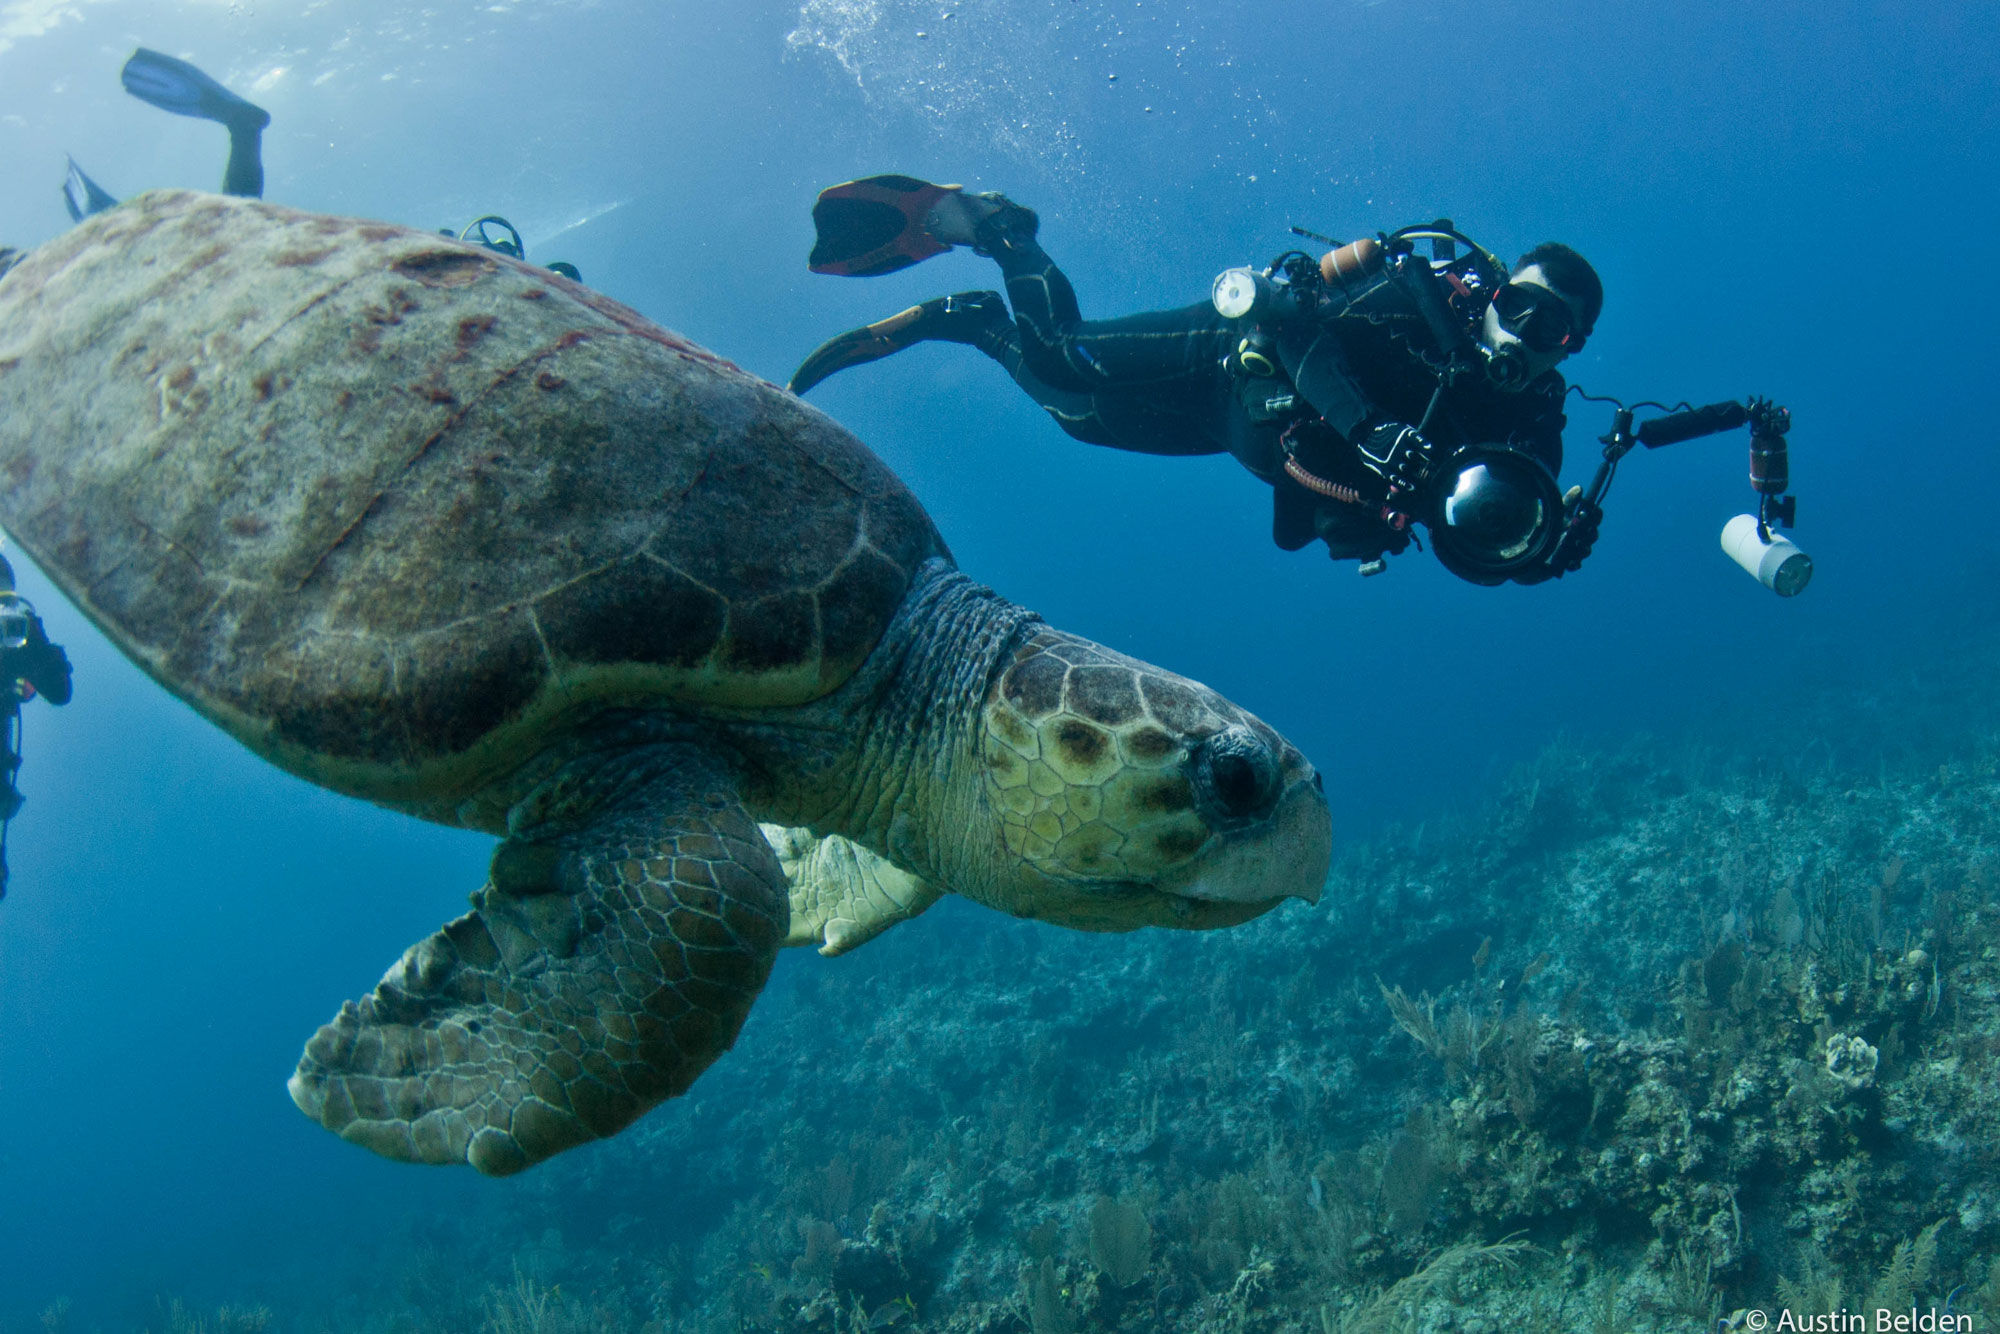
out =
column 445, row 268
column 378, row 232
column 262, row 384
column 571, row 339
column 293, row 259
column 436, row 393
column 534, row 294
column 473, row 328
column 549, row 380
column 248, row 525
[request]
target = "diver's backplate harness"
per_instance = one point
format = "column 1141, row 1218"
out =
column 1493, row 511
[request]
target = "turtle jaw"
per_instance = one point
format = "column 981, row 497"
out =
column 1286, row 855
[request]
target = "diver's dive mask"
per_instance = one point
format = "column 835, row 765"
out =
column 1530, row 319
column 1538, row 317
column 1492, row 512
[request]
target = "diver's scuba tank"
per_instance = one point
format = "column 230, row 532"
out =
column 1347, row 267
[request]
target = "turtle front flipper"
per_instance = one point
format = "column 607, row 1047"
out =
column 842, row 894
column 611, row 957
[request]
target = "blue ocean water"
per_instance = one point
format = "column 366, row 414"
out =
column 1783, row 199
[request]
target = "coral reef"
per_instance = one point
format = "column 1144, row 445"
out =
column 1664, row 1034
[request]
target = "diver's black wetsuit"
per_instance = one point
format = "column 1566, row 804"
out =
column 1160, row 383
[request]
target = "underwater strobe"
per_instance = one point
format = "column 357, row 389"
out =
column 1748, row 539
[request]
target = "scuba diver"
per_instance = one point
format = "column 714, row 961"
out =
column 30, row 665
column 507, row 242
column 176, row 86
column 1369, row 387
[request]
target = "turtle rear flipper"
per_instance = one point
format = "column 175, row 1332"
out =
column 611, row 957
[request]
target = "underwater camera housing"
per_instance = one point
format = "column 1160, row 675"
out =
column 1492, row 513
column 17, row 621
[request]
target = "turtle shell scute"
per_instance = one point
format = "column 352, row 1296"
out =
column 395, row 563
column 638, row 610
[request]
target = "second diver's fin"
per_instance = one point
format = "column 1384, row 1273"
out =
column 83, row 196
column 959, row 318
column 875, row 225
column 174, row 85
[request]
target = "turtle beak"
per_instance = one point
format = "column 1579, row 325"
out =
column 1273, row 836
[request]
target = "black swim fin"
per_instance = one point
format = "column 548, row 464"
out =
column 83, row 196
column 960, row 318
column 875, row 225
column 174, row 85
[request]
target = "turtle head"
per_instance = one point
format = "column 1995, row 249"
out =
column 1126, row 796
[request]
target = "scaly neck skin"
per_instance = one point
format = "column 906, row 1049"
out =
column 889, row 760
column 900, row 778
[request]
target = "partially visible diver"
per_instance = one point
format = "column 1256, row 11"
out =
column 174, row 85
column 1369, row 387
column 30, row 665
column 506, row 242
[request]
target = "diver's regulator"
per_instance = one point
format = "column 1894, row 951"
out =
column 1493, row 511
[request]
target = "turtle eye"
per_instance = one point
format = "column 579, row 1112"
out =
column 1236, row 775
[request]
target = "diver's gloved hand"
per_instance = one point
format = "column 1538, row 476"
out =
column 1580, row 520
column 1396, row 452
column 48, row 672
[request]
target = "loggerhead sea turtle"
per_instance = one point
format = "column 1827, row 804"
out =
column 436, row 529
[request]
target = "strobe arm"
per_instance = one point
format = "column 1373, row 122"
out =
column 1770, row 468
column 1770, row 465
column 1695, row 422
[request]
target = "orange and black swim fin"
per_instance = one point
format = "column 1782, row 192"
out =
column 875, row 225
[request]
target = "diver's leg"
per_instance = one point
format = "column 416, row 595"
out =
column 172, row 84
column 962, row 317
column 1069, row 352
column 244, row 176
column 1146, row 421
